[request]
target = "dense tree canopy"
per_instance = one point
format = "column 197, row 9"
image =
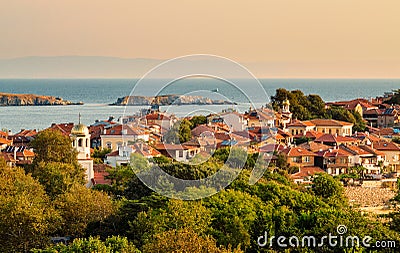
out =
column 312, row 107
column 110, row 245
column 52, row 146
column 198, row 120
column 395, row 99
column 179, row 133
column 79, row 207
column 26, row 215
column 130, row 217
column 58, row 178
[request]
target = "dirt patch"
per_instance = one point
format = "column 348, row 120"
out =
column 369, row 197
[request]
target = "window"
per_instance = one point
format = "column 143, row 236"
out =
column 180, row 153
column 80, row 142
column 87, row 142
column 109, row 145
column 296, row 159
column 307, row 159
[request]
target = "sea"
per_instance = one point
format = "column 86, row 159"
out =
column 98, row 94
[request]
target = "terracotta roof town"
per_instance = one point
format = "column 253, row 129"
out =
column 314, row 146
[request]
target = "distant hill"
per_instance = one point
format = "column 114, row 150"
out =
column 113, row 67
column 7, row 99
column 75, row 67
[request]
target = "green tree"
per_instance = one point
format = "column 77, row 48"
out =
column 177, row 214
column 303, row 107
column 339, row 113
column 198, row 120
column 124, row 181
column 316, row 106
column 58, row 178
column 302, row 140
column 395, row 99
column 300, row 112
column 359, row 124
column 55, row 164
column 179, row 133
column 80, row 206
column 52, row 146
column 281, row 161
column 27, row 217
column 99, row 155
column 110, row 245
column 327, row 187
column 280, row 96
column 234, row 213
column 184, row 241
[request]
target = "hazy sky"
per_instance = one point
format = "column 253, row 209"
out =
column 358, row 33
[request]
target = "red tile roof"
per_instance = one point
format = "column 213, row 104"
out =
column 165, row 146
column 64, row 128
column 298, row 123
column 310, row 134
column 26, row 133
column 113, row 153
column 8, row 157
column 157, row 116
column 386, row 146
column 314, row 146
column 330, row 138
column 352, row 104
column 202, row 130
column 357, row 150
column 4, row 141
column 271, row 147
column 118, row 130
column 297, row 151
column 100, row 174
column 306, row 172
column 284, row 134
column 333, row 153
column 329, row 122
column 3, row 134
column 26, row 153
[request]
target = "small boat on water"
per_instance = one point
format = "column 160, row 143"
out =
column 215, row 90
